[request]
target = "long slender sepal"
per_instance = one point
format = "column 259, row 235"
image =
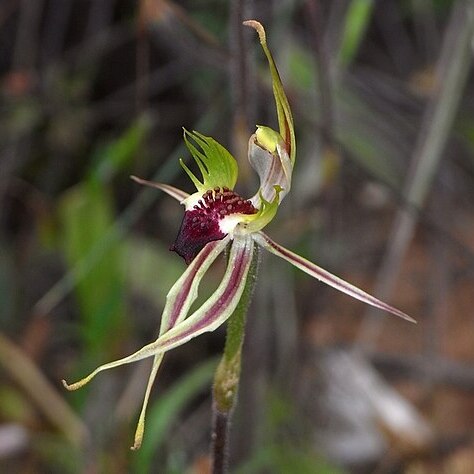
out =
column 285, row 118
column 171, row 190
column 223, row 301
column 140, row 430
column 208, row 317
column 178, row 302
column 326, row 277
column 272, row 154
column 184, row 292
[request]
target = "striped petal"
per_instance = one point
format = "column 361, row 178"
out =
column 326, row 277
column 215, row 311
column 218, row 308
column 184, row 292
column 178, row 302
column 171, row 190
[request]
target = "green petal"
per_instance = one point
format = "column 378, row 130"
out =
column 285, row 118
column 212, row 313
column 266, row 213
column 178, row 302
column 217, row 166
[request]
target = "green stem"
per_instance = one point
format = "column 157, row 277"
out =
column 226, row 379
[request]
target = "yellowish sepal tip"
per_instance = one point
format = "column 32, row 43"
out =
column 137, row 442
column 258, row 27
column 67, row 386
column 77, row 385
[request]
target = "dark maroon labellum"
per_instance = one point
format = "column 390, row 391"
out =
column 201, row 224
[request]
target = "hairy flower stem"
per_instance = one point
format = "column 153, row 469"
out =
column 227, row 376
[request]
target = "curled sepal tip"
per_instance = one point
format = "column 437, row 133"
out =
column 75, row 386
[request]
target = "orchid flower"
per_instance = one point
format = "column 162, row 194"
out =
column 215, row 218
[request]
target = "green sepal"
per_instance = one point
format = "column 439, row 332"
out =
column 285, row 118
column 217, row 166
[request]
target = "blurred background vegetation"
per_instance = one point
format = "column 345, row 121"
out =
column 95, row 90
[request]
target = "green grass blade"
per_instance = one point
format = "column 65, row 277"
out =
column 355, row 25
column 86, row 213
column 118, row 155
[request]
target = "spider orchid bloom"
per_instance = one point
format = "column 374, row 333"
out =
column 217, row 217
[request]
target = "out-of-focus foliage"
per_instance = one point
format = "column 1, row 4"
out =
column 86, row 213
column 357, row 19
column 92, row 91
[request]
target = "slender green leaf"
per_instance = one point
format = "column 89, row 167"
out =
column 355, row 26
column 86, row 213
column 118, row 155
